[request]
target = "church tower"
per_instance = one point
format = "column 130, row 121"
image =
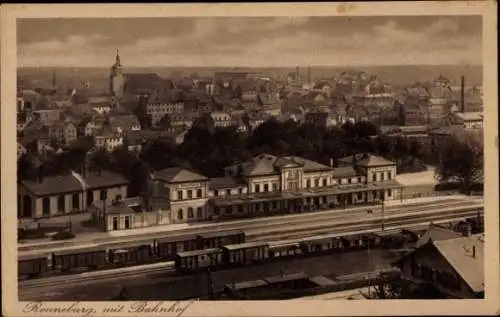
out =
column 116, row 79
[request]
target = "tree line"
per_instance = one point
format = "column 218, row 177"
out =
column 208, row 150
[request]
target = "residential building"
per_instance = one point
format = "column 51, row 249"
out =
column 469, row 120
column 161, row 103
column 107, row 139
column 124, row 123
column 221, row 119
column 63, row 132
column 453, row 267
column 48, row 116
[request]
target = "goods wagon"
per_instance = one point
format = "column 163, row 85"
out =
column 219, row 239
column 130, row 253
column 245, row 253
column 166, row 248
column 69, row 260
column 198, row 259
column 32, row 266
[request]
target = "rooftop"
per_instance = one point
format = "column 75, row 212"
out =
column 178, row 175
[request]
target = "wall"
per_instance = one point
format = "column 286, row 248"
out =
column 381, row 172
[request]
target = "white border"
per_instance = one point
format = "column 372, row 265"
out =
column 490, row 305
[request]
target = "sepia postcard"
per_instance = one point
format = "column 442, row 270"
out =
column 265, row 159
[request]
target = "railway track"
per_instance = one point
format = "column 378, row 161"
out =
column 258, row 224
column 263, row 234
column 164, row 267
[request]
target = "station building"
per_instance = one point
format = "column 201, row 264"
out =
column 269, row 184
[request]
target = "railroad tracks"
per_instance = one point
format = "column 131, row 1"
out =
column 281, row 238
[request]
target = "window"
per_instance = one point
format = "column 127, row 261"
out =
column 179, row 214
column 118, row 197
column 228, row 192
column 199, row 212
column 127, row 222
column 179, row 195
column 241, row 190
column 75, row 201
column 275, row 187
column 240, row 208
column 190, row 213
column 382, row 175
column 60, row 203
column 115, row 223
column 316, row 182
column 349, row 180
column 374, row 177
column 324, row 182
column 190, row 194
column 46, row 206
column 216, row 192
column 308, row 183
column 199, row 193
column 389, row 193
column 389, row 175
column 257, row 188
column 360, row 179
column 266, row 187
column 103, row 194
column 90, row 198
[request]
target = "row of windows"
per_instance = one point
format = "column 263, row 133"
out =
column 197, row 194
column 382, row 176
column 265, row 187
column 190, row 215
column 227, row 192
column 126, row 224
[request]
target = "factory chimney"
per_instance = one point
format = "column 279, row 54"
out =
column 462, row 94
column 297, row 73
column 309, row 75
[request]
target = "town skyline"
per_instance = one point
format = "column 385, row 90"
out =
column 251, row 41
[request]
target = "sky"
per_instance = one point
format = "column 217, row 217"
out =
column 251, row 41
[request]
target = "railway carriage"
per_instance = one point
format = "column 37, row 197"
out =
column 190, row 261
column 245, row 253
column 321, row 245
column 218, row 239
column 32, row 265
column 285, row 251
column 356, row 241
column 70, row 259
column 130, row 253
column 166, row 248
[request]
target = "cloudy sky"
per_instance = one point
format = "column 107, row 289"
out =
column 245, row 41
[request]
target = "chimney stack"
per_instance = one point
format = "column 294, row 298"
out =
column 462, row 94
column 297, row 73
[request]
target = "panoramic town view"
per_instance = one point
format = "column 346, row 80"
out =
column 250, row 158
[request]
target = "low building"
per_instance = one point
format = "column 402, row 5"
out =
column 469, row 120
column 49, row 196
column 221, row 119
column 122, row 215
column 452, row 267
column 107, row 139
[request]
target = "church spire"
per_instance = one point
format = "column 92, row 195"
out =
column 118, row 63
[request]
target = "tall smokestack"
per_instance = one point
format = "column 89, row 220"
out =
column 462, row 94
column 297, row 73
column 309, row 75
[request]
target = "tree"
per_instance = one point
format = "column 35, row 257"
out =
column 388, row 285
column 461, row 159
column 165, row 122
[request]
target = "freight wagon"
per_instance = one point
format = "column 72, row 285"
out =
column 32, row 265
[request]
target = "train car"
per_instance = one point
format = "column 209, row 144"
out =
column 285, row 251
column 356, row 241
column 167, row 247
column 218, row 239
column 245, row 253
column 32, row 265
column 321, row 245
column 130, row 253
column 191, row 261
column 73, row 259
column 392, row 239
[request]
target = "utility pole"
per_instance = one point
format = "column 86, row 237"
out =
column 104, row 197
column 383, row 205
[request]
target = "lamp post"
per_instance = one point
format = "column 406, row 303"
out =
column 104, row 197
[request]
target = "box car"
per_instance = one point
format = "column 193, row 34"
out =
column 72, row 259
column 198, row 259
column 245, row 253
column 130, row 253
column 356, row 241
column 321, row 245
column 218, row 239
column 285, row 251
column 167, row 248
column 32, row 265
